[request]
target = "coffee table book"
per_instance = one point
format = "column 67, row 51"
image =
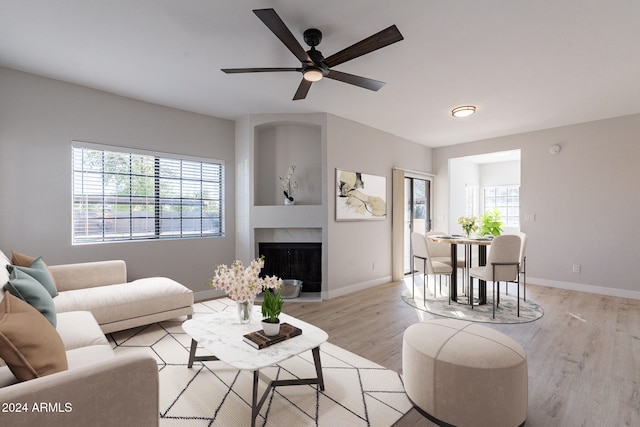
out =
column 259, row 340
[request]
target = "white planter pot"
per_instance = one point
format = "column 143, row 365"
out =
column 270, row 329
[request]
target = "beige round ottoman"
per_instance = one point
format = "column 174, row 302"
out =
column 464, row 374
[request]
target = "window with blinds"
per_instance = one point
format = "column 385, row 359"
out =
column 124, row 195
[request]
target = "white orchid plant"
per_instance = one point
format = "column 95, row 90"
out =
column 290, row 186
column 243, row 284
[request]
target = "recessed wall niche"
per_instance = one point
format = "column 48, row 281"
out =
column 278, row 146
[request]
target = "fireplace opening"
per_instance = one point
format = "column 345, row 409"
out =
column 294, row 260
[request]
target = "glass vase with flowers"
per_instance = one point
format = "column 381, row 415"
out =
column 242, row 284
column 468, row 224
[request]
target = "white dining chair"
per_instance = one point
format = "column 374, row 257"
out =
column 503, row 265
column 423, row 263
column 440, row 251
column 523, row 263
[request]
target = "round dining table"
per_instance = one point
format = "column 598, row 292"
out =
column 469, row 242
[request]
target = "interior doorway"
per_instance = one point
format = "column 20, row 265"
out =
column 417, row 213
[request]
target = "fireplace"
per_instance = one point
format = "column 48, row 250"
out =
column 294, row 260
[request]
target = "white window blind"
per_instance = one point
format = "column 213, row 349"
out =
column 120, row 195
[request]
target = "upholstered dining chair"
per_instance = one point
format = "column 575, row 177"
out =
column 523, row 263
column 503, row 265
column 423, row 263
column 441, row 252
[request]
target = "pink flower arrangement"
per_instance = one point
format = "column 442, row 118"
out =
column 243, row 284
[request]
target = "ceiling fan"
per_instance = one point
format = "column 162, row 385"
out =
column 314, row 66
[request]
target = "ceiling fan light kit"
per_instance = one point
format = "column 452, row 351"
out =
column 314, row 66
column 313, row 74
column 464, row 111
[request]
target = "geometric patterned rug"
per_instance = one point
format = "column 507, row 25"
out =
column 506, row 311
column 357, row 391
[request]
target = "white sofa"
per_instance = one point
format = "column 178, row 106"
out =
column 96, row 388
column 102, row 288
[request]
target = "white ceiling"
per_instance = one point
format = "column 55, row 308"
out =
column 525, row 64
column 495, row 157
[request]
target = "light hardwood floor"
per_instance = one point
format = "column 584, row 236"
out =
column 583, row 355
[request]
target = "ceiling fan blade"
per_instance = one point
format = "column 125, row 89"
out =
column 302, row 91
column 257, row 70
column 379, row 40
column 271, row 19
column 355, row 80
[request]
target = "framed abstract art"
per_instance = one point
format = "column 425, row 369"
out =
column 360, row 196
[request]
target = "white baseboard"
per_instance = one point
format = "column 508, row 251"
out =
column 600, row 290
column 355, row 287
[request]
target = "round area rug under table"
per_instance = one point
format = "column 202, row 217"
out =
column 464, row 374
column 506, row 312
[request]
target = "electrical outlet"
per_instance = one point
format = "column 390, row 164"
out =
column 576, row 268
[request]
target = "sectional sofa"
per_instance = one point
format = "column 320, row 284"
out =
column 60, row 369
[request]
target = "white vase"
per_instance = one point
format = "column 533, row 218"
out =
column 289, row 202
column 245, row 311
column 270, row 329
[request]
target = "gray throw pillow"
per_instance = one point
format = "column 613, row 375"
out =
column 39, row 271
column 28, row 289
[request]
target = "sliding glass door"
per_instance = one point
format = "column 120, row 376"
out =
column 417, row 213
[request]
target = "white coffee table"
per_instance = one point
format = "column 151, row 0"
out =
column 222, row 334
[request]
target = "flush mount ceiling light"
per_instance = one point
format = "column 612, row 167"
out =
column 464, row 111
column 313, row 74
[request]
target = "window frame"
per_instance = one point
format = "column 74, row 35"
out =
column 158, row 214
column 503, row 208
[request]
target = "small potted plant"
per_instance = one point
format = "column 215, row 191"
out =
column 271, row 309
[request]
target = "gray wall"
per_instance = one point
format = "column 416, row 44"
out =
column 360, row 251
column 40, row 117
column 585, row 200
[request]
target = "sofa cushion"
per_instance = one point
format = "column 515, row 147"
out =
column 39, row 271
column 29, row 290
column 139, row 298
column 79, row 329
column 6, row 377
column 29, row 345
column 76, row 358
column 85, row 275
column 85, row 356
column 76, row 329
